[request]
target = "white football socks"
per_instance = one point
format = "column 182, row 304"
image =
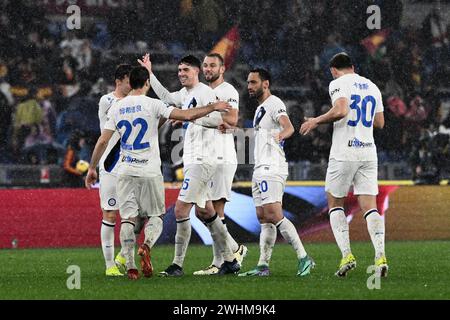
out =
column 128, row 240
column 182, row 238
column 290, row 234
column 375, row 226
column 219, row 235
column 339, row 225
column 218, row 259
column 153, row 230
column 267, row 239
column 107, row 239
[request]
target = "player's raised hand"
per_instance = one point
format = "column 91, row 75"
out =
column 146, row 62
column 308, row 125
column 221, row 106
column 91, row 178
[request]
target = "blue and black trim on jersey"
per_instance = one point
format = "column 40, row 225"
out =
column 112, row 158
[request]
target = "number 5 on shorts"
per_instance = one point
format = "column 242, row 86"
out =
column 185, row 184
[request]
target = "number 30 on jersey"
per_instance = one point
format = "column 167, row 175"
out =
column 360, row 106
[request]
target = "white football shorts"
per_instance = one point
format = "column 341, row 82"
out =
column 107, row 191
column 196, row 187
column 222, row 182
column 268, row 188
column 143, row 196
column 341, row 175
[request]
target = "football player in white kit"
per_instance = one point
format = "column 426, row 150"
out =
column 357, row 107
column 200, row 162
column 140, row 185
column 108, row 172
column 213, row 69
column 272, row 126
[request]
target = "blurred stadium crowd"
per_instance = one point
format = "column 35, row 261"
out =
column 51, row 78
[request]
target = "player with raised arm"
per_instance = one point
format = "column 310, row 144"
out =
column 108, row 172
column 200, row 162
column 357, row 107
column 272, row 126
column 213, row 69
column 140, row 186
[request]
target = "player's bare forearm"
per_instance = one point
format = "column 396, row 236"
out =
column 378, row 121
column 288, row 128
column 231, row 118
column 100, row 147
column 195, row 113
column 337, row 112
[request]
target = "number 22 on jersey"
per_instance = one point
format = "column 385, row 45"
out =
column 137, row 143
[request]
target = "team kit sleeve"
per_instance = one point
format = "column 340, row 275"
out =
column 163, row 93
column 233, row 98
column 337, row 89
column 380, row 106
column 163, row 110
column 101, row 111
column 277, row 109
column 110, row 123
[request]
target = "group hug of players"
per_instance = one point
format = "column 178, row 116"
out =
column 131, row 182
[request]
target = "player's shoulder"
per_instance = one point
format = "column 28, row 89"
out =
column 275, row 101
column 107, row 99
column 203, row 88
column 228, row 88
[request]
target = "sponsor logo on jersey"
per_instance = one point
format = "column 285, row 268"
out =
column 359, row 144
column 129, row 159
column 281, row 111
column 334, row 91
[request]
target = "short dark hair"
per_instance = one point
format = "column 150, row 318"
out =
column 263, row 74
column 122, row 71
column 190, row 60
column 341, row 61
column 216, row 55
column 138, row 76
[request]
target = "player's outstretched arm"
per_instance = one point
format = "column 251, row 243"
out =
column 99, row 149
column 337, row 112
column 161, row 91
column 195, row 113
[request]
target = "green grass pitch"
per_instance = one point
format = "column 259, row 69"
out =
column 418, row 270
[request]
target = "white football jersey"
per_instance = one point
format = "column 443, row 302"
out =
column 265, row 123
column 226, row 151
column 199, row 144
column 108, row 161
column 136, row 118
column 353, row 135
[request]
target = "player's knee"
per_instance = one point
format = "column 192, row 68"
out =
column 110, row 215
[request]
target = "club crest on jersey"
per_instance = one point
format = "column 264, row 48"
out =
column 192, row 104
column 112, row 202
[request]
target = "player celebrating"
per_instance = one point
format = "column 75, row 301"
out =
column 140, row 185
column 200, row 161
column 272, row 126
column 213, row 69
column 108, row 171
column 357, row 107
